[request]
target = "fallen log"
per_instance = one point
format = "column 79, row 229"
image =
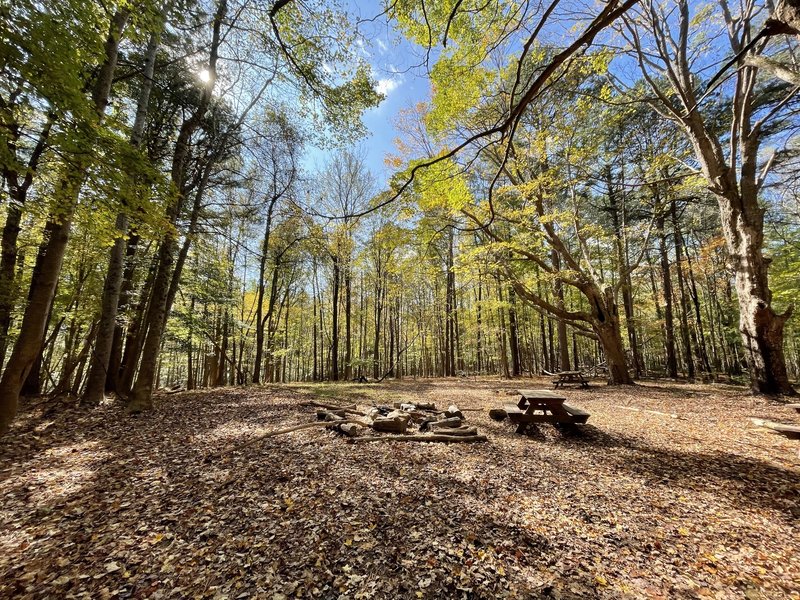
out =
column 433, row 437
column 453, row 411
column 415, row 405
column 175, row 390
column 790, row 431
column 326, row 415
column 459, row 431
column 283, row 431
column 349, row 429
column 390, row 425
column 497, row 414
column 445, row 423
column 350, row 408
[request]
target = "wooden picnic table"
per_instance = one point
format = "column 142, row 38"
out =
column 543, row 406
column 565, row 377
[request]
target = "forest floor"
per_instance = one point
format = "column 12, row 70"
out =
column 97, row 504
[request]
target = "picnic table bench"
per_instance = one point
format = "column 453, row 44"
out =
column 794, row 406
column 565, row 377
column 543, row 406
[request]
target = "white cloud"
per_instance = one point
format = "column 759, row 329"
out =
column 386, row 86
column 381, row 44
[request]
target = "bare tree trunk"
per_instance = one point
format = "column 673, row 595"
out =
column 666, row 285
column 733, row 176
column 378, row 309
column 261, row 291
column 563, row 351
column 513, row 334
column 623, row 269
column 685, row 331
column 348, row 349
column 502, row 340
column 9, row 253
column 315, row 372
column 609, row 332
column 479, row 331
column 334, row 371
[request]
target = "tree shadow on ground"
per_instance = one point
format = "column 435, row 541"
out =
column 753, row 480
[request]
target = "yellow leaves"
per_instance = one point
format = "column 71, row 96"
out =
column 156, row 538
column 600, row 580
column 458, row 89
column 702, row 15
column 443, row 186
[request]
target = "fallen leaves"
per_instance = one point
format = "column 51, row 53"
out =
column 100, row 505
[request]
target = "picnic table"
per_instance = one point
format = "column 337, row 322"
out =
column 565, row 377
column 543, row 406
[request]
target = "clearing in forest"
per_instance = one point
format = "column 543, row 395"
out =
column 638, row 504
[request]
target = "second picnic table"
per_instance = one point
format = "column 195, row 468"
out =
column 543, row 406
column 564, row 377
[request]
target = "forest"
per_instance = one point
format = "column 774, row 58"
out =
column 213, row 210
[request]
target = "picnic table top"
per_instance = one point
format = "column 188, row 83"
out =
column 541, row 395
column 567, row 373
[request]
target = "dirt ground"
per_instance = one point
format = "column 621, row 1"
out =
column 172, row 504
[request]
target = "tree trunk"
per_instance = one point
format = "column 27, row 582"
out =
column 261, row 290
column 623, row 269
column 563, row 351
column 685, row 331
column 502, row 340
column 513, row 334
column 607, row 327
column 334, row 371
column 9, row 254
column 348, row 349
column 761, row 328
column 376, row 367
column 666, row 285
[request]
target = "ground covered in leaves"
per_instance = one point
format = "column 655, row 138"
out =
column 175, row 504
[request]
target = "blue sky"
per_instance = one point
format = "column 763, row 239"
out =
column 394, row 63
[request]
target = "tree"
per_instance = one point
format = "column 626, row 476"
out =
column 737, row 175
column 277, row 154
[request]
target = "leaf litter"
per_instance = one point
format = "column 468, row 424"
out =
column 175, row 504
